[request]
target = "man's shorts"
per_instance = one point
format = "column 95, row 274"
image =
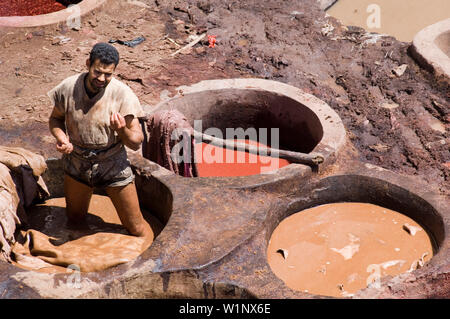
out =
column 99, row 169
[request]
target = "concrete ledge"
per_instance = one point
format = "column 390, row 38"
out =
column 82, row 8
column 431, row 49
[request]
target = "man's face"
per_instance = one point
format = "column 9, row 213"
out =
column 99, row 74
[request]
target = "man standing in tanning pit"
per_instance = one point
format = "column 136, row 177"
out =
column 93, row 117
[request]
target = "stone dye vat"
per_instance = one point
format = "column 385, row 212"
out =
column 20, row 13
column 431, row 48
column 262, row 111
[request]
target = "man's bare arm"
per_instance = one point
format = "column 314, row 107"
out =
column 128, row 129
column 57, row 127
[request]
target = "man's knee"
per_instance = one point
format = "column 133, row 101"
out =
column 78, row 197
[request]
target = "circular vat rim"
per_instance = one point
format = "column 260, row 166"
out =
column 400, row 194
column 332, row 141
column 84, row 7
column 428, row 54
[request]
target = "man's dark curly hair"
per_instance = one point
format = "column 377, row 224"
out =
column 105, row 52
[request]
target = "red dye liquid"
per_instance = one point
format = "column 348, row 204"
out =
column 217, row 161
column 28, row 7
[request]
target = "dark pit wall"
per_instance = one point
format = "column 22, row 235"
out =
column 153, row 195
column 357, row 188
column 300, row 129
column 69, row 2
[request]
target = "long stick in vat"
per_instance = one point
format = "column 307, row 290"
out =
column 293, row 157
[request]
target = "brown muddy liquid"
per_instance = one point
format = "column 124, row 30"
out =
column 49, row 246
column 337, row 249
column 399, row 18
column 218, row 161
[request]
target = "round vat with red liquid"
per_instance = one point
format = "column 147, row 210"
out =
column 33, row 13
column 262, row 113
column 30, row 7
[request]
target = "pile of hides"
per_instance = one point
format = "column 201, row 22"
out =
column 20, row 184
column 168, row 129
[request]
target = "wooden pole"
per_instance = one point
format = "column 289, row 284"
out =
column 293, row 157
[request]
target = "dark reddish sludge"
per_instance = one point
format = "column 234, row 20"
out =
column 28, row 7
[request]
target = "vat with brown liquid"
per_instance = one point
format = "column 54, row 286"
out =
column 337, row 249
column 48, row 245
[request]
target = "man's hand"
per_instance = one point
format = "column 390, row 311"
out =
column 117, row 122
column 64, row 146
column 128, row 129
column 58, row 130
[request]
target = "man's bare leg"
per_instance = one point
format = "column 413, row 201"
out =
column 126, row 202
column 78, row 197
